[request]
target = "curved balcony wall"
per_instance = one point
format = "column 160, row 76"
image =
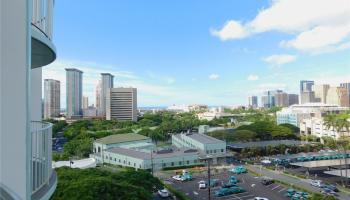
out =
column 43, row 50
column 43, row 177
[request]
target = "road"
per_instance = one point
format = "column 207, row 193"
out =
column 302, row 183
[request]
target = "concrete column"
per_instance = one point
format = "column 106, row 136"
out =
column 36, row 94
column 14, row 78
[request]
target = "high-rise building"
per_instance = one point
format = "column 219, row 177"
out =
column 74, row 90
column 85, row 102
column 338, row 96
column 347, row 86
column 26, row 45
column 293, row 99
column 98, row 94
column 265, row 101
column 281, row 99
column 321, row 92
column 268, row 100
column 307, row 94
column 253, row 101
column 106, row 83
column 52, row 103
column 121, row 104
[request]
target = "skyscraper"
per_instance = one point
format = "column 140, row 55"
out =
column 307, row 94
column 106, row 83
column 321, row 92
column 293, row 99
column 346, row 86
column 265, row 101
column 253, row 101
column 338, row 96
column 85, row 102
column 281, row 99
column 98, row 94
column 51, row 98
column 74, row 90
column 268, row 100
column 121, row 104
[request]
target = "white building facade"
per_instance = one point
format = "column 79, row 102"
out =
column 26, row 46
column 121, row 104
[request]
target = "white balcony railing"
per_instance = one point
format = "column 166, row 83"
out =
column 42, row 16
column 41, row 154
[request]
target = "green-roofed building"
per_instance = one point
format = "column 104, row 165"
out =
column 127, row 140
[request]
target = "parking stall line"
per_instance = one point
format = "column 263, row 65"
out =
column 275, row 187
column 282, row 190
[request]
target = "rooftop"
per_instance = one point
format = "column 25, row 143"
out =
column 121, row 138
column 145, row 155
column 202, row 138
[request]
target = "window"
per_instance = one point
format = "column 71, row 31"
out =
column 180, row 163
column 172, row 163
column 195, row 161
column 164, row 165
column 99, row 149
column 110, row 158
column 120, row 160
column 215, row 151
column 134, row 164
column 106, row 157
column 188, row 162
column 124, row 162
column 115, row 160
column 222, row 150
column 128, row 163
column 140, row 166
column 207, row 152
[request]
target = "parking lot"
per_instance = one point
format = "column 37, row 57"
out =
column 251, row 184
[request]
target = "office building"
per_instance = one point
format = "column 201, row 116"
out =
column 90, row 112
column 347, row 86
column 25, row 145
column 98, row 94
column 307, row 94
column 281, row 99
column 265, row 101
column 52, row 103
column 106, row 84
column 139, row 152
column 74, row 92
column 338, row 96
column 296, row 113
column 253, row 101
column 85, row 102
column 293, row 99
column 321, row 92
column 121, row 104
column 315, row 126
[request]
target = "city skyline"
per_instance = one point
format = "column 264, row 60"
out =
column 217, row 59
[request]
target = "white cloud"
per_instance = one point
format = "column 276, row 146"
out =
column 170, row 80
column 280, row 59
column 231, row 30
column 319, row 25
column 214, row 76
column 252, row 77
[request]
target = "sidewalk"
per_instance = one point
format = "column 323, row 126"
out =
column 303, row 183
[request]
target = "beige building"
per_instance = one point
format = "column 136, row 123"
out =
column 321, row 92
column 338, row 96
column 315, row 126
column 85, row 102
column 121, row 104
column 281, row 99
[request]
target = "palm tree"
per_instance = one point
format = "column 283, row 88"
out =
column 342, row 125
column 330, row 121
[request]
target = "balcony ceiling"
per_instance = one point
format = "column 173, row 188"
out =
column 43, row 50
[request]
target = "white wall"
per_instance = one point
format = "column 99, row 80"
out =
column 14, row 70
column 35, row 94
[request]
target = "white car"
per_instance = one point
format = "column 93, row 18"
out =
column 202, row 185
column 163, row 193
column 316, row 183
column 260, row 198
column 178, row 178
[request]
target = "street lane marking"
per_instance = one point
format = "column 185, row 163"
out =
column 275, row 187
column 282, row 190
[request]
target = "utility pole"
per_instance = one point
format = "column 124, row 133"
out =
column 209, row 196
column 152, row 162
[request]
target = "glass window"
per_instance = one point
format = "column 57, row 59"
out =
column 172, row 163
column 222, row 150
column 188, row 162
column 128, row 163
column 215, row 151
column 180, row 163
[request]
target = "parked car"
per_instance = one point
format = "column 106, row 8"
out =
column 316, row 183
column 163, row 193
column 178, row 178
column 239, row 170
column 233, row 180
column 267, row 181
column 202, row 184
column 228, row 185
column 260, row 198
column 213, row 182
column 228, row 191
column 331, row 187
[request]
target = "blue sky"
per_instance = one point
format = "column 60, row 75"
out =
column 202, row 51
